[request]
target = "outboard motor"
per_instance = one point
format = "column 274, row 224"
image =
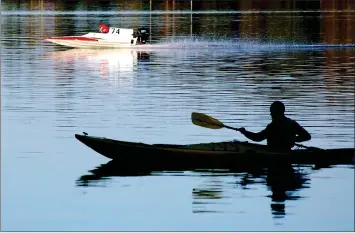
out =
column 142, row 34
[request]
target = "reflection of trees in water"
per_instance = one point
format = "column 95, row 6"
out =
column 339, row 75
column 297, row 74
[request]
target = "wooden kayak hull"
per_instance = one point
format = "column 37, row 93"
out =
column 210, row 155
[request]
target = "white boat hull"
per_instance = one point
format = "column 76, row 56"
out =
column 91, row 44
column 115, row 38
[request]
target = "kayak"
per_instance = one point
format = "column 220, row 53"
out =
column 211, row 155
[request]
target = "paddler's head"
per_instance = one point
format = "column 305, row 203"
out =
column 277, row 110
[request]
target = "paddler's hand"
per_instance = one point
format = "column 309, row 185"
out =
column 242, row 130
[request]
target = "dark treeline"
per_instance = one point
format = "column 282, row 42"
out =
column 196, row 5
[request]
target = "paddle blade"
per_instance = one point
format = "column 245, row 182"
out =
column 206, row 121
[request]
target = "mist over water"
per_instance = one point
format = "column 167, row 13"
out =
column 238, row 44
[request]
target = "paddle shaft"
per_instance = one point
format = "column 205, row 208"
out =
column 229, row 127
column 296, row 144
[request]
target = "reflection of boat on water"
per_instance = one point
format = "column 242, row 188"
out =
column 101, row 54
column 109, row 63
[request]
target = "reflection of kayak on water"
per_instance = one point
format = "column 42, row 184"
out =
column 110, row 169
column 282, row 184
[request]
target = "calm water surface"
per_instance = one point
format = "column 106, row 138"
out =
column 229, row 65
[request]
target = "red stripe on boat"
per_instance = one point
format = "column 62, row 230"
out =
column 72, row 38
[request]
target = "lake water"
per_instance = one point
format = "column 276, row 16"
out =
column 229, row 64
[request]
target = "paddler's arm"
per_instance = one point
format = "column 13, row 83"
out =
column 257, row 137
column 302, row 134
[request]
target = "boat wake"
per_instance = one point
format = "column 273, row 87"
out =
column 196, row 43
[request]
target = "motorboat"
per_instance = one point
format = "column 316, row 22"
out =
column 107, row 37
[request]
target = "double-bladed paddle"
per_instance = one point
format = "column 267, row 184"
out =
column 207, row 121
